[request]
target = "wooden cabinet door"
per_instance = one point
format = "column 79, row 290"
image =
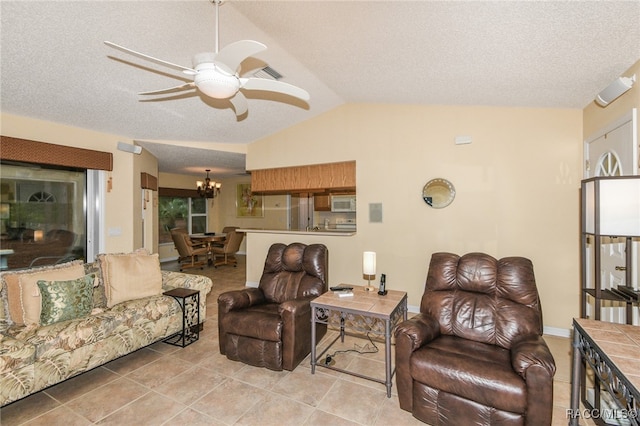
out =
column 322, row 202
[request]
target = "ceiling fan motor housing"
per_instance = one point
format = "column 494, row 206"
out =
column 211, row 81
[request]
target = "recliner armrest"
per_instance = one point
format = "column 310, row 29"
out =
column 240, row 299
column 532, row 360
column 418, row 330
column 531, row 350
column 410, row 336
column 296, row 306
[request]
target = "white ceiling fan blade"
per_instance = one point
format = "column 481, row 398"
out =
column 233, row 54
column 170, row 89
column 239, row 103
column 274, row 86
column 151, row 58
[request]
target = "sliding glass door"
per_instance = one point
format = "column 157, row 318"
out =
column 42, row 215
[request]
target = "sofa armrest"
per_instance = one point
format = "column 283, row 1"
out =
column 532, row 360
column 171, row 280
column 411, row 335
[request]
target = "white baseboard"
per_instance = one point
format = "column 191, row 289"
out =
column 413, row 309
column 556, row 331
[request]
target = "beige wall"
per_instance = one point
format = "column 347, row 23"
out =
column 517, row 190
column 125, row 176
column 517, row 186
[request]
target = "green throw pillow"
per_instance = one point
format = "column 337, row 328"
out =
column 65, row 300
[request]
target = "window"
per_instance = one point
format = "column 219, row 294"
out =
column 43, row 217
column 181, row 212
column 198, row 215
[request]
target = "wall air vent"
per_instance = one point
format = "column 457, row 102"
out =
column 268, row 72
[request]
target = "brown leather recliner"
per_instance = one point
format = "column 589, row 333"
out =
column 270, row 326
column 475, row 354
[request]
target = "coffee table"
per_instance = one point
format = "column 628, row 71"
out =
column 366, row 312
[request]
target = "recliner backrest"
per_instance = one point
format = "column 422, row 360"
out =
column 295, row 270
column 478, row 297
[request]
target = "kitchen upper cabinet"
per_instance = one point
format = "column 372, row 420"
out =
column 310, row 178
column 322, row 202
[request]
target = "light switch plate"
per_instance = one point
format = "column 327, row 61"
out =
column 463, row 140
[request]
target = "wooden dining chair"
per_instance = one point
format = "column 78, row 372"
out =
column 189, row 253
column 228, row 250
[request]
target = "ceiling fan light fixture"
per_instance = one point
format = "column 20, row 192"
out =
column 216, row 74
column 215, row 84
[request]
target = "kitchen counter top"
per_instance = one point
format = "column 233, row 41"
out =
column 324, row 232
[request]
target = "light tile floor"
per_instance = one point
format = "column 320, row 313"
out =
column 167, row 385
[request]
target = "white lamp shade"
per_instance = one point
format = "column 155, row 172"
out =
column 369, row 263
column 612, row 206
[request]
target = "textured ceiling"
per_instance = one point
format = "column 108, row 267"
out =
column 54, row 65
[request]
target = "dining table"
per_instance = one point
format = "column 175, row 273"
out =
column 208, row 239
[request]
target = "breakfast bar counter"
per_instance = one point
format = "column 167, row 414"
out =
column 341, row 267
column 321, row 232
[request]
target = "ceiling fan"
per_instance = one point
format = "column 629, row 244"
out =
column 215, row 74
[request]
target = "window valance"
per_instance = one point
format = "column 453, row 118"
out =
column 177, row 192
column 28, row 151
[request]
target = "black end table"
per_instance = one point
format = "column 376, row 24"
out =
column 189, row 301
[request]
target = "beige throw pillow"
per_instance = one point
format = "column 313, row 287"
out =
column 130, row 276
column 22, row 289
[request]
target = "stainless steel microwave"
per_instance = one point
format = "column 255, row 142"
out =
column 343, row 203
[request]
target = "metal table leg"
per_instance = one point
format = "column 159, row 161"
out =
column 574, row 411
column 313, row 340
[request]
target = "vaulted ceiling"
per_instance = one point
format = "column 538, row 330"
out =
column 55, row 66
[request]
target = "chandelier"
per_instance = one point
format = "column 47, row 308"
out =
column 208, row 188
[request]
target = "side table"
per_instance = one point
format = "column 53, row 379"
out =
column 364, row 312
column 189, row 301
column 611, row 351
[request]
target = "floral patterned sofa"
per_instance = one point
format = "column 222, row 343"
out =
column 59, row 321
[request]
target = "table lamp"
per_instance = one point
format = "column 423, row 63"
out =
column 369, row 268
